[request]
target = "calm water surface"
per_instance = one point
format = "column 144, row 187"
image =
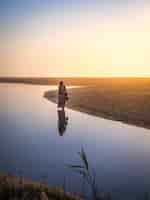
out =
column 38, row 142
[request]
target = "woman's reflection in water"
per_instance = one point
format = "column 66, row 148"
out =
column 62, row 121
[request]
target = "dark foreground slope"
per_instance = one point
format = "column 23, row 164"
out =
column 13, row 188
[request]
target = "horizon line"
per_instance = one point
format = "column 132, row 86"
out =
column 24, row 77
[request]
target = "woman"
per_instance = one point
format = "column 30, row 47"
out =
column 62, row 95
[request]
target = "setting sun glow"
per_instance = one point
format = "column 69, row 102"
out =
column 81, row 39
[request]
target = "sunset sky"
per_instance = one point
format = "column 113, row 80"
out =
column 75, row 38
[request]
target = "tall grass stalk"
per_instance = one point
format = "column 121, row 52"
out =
column 88, row 175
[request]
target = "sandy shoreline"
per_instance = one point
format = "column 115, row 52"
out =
column 108, row 105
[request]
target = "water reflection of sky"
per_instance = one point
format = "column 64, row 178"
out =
column 30, row 143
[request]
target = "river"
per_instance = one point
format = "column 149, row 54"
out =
column 38, row 142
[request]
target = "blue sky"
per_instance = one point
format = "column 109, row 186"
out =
column 17, row 12
column 21, row 11
column 25, row 7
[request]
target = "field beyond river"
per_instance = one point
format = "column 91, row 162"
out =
column 120, row 99
column 125, row 100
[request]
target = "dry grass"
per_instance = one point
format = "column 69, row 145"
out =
column 15, row 188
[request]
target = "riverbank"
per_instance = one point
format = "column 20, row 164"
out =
column 125, row 101
column 14, row 188
column 121, row 99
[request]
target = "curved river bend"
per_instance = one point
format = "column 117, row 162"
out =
column 38, row 142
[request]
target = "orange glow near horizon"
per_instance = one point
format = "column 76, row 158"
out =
column 117, row 45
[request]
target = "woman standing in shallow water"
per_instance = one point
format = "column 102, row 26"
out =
column 62, row 95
